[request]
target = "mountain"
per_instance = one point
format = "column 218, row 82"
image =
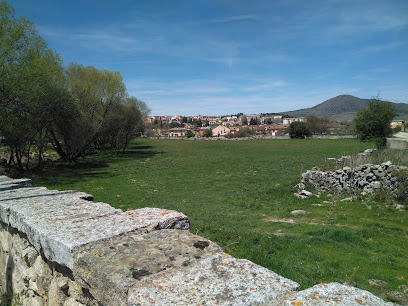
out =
column 343, row 107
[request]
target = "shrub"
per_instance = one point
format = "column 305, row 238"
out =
column 207, row 133
column 375, row 121
column 402, row 190
column 299, row 129
column 380, row 142
column 189, row 134
column 245, row 133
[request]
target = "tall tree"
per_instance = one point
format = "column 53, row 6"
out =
column 253, row 121
column 41, row 102
column 374, row 121
column 244, row 120
column 299, row 129
column 317, row 125
column 29, row 74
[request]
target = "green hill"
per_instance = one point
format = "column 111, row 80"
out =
column 343, row 107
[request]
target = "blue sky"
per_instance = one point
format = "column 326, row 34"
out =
column 217, row 57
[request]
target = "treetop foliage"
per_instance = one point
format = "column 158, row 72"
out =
column 374, row 121
column 74, row 108
column 299, row 129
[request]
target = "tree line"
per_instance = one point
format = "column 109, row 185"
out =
column 74, row 108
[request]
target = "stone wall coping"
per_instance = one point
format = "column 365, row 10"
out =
column 58, row 223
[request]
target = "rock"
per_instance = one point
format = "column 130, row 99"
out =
column 300, row 196
column 124, row 261
column 388, row 163
column 301, row 186
column 306, row 193
column 334, row 294
column 299, row 212
column 398, row 206
column 72, row 302
column 377, row 282
column 397, row 297
column 376, row 185
column 349, row 199
column 403, row 288
column 220, row 279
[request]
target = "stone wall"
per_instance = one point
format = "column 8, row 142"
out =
column 366, row 178
column 60, row 248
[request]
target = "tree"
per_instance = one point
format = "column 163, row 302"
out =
column 299, row 129
column 189, row 134
column 253, row 121
column 197, row 122
column 244, row 120
column 317, row 125
column 373, row 123
column 74, row 109
column 207, row 133
column 30, row 75
column 175, row 124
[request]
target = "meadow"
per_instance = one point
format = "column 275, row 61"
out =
column 239, row 194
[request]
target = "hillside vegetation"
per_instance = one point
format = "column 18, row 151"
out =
column 240, row 195
column 343, row 107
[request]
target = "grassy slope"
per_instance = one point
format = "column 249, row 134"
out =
column 230, row 188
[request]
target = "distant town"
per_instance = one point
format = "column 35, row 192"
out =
column 239, row 125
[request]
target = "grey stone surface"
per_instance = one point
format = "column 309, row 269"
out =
column 335, row 294
column 377, row 282
column 299, row 212
column 58, row 223
column 124, row 261
column 220, row 279
column 366, row 177
column 398, row 297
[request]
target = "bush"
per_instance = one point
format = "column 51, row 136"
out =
column 374, row 121
column 189, row 134
column 402, row 190
column 380, row 142
column 299, row 129
column 247, row 132
column 207, row 133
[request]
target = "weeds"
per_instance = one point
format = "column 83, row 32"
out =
column 327, row 221
column 10, row 299
column 402, row 191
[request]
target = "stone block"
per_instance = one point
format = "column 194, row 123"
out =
column 335, row 294
column 58, row 223
column 110, row 267
column 220, row 279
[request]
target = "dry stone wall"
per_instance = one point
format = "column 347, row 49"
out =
column 60, row 248
column 366, row 178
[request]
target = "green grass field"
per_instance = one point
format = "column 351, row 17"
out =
column 231, row 190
